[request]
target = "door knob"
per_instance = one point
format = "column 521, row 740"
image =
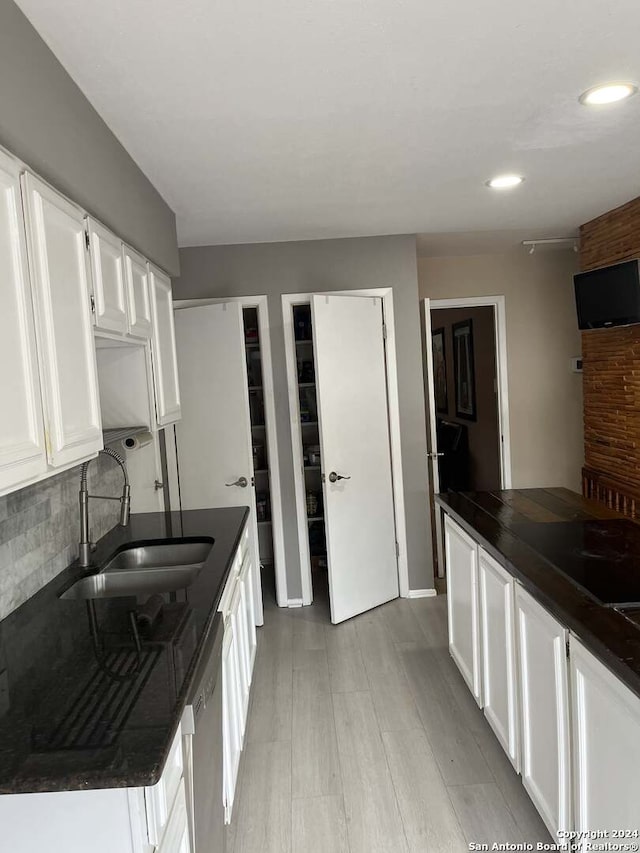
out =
column 333, row 477
column 241, row 481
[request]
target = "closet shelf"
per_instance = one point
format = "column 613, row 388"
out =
column 315, row 518
column 308, row 423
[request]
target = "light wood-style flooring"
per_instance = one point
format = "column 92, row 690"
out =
column 363, row 737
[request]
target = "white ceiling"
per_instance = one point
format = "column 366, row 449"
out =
column 304, row 119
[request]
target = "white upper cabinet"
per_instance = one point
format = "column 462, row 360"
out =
column 107, row 268
column 499, row 662
column 59, row 263
column 544, row 702
column 461, row 555
column 137, row 288
column 22, row 445
column 606, row 742
column 163, row 349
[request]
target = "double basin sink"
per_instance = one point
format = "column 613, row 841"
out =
column 145, row 568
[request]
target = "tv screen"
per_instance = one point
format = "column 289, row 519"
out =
column 609, row 296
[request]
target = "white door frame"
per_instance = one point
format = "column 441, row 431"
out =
column 288, row 301
column 500, row 322
column 264, row 331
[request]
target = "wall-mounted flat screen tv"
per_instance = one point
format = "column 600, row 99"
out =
column 609, row 296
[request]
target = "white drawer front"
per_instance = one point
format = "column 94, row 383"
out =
column 160, row 798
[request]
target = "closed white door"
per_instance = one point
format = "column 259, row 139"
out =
column 22, row 446
column 498, row 644
column 137, row 288
column 461, row 555
column 606, row 743
column 107, row 267
column 163, row 349
column 544, row 708
column 355, row 453
column 60, row 280
column 213, row 438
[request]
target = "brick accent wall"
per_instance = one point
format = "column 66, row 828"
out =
column 611, row 365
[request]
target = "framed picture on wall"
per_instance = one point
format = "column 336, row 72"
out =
column 440, row 371
column 464, row 372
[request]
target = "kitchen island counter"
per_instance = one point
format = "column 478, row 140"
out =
column 494, row 519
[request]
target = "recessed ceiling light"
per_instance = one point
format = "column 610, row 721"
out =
column 608, row 93
column 503, row 182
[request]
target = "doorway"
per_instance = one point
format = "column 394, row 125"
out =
column 467, row 399
column 348, row 423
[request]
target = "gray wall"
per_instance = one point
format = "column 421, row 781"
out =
column 273, row 269
column 40, row 527
column 46, row 121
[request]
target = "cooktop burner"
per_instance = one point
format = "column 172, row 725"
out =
column 602, row 557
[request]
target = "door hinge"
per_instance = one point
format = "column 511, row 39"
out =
column 87, row 240
column 397, row 549
column 384, row 331
column 567, row 648
column 92, row 302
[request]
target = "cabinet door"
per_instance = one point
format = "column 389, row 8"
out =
column 107, row 268
column 544, row 708
column 137, row 290
column 246, row 582
column 606, row 743
column 231, row 715
column 60, row 279
column 499, row 670
column 22, row 447
column 176, row 837
column 163, row 349
column 461, row 555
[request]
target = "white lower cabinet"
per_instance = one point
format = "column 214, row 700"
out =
column 544, row 708
column 461, row 553
column 109, row 820
column 606, row 748
column 238, row 609
column 499, row 658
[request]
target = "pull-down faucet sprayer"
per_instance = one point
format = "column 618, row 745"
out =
column 86, row 546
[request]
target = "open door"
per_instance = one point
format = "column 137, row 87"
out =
column 355, row 453
column 432, row 436
column 213, row 439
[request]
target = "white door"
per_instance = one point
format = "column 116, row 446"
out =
column 498, row 644
column 107, row 267
column 163, row 349
column 432, row 436
column 22, row 446
column 606, row 743
column 138, row 299
column 60, row 279
column 544, row 708
column 355, row 453
column 461, row 554
column 213, row 439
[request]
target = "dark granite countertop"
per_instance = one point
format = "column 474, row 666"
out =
column 492, row 519
column 69, row 722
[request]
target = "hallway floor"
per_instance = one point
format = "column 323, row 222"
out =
column 363, row 737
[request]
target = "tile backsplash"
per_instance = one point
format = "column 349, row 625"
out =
column 40, row 528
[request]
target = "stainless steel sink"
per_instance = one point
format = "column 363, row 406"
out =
column 159, row 555
column 145, row 569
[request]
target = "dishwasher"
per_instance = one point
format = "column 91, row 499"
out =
column 203, row 749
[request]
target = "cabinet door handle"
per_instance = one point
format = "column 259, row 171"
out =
column 241, row 481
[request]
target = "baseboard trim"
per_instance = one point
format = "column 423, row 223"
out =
column 295, row 602
column 422, row 593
